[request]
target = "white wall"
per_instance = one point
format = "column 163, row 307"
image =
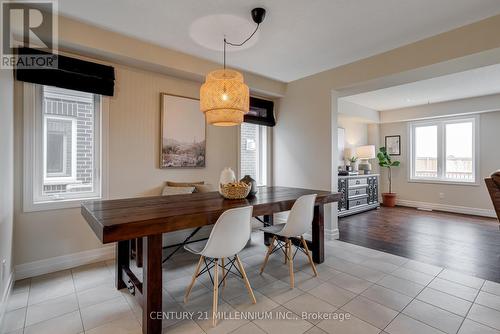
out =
column 359, row 112
column 356, row 132
column 133, row 160
column 302, row 139
column 475, row 197
column 304, row 143
column 360, row 124
column 6, row 182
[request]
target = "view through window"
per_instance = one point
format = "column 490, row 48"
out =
column 253, row 152
column 444, row 150
column 67, row 145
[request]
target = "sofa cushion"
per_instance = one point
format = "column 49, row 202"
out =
column 204, row 188
column 176, row 190
column 183, row 184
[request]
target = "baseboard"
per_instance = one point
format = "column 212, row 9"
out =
column 63, row 262
column 5, row 299
column 447, row 208
column 332, row 234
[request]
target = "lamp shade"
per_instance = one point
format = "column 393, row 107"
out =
column 224, row 98
column 366, row 152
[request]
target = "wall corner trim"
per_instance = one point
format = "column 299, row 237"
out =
column 63, row 262
column 447, row 208
column 332, row 234
column 5, row 300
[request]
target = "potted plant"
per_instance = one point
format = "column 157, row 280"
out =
column 352, row 163
column 384, row 160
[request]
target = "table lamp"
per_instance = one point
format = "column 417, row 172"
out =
column 365, row 153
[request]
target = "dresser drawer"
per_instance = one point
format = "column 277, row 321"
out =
column 357, row 202
column 358, row 182
column 357, row 192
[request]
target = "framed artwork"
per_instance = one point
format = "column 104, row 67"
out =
column 183, row 133
column 393, row 144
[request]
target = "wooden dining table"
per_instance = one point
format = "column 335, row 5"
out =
column 147, row 218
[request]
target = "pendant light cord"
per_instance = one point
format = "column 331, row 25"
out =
column 238, row 44
column 246, row 40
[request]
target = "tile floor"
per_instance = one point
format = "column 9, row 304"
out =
column 381, row 292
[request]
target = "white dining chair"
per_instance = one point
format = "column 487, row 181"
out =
column 228, row 237
column 298, row 222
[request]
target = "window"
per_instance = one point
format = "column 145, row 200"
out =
column 444, row 150
column 253, row 152
column 59, row 145
column 62, row 147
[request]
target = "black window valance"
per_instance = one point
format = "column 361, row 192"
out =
column 261, row 112
column 70, row 73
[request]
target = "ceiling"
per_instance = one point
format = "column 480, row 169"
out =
column 477, row 82
column 298, row 37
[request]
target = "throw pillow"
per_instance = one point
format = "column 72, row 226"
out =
column 176, row 190
column 183, row 184
column 204, row 188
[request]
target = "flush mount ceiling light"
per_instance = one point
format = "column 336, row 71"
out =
column 224, row 97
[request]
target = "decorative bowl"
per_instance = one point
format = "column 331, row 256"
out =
column 235, row 190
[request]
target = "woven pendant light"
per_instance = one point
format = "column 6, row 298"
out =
column 224, row 98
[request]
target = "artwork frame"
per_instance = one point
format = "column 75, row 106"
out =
column 180, row 120
column 393, row 144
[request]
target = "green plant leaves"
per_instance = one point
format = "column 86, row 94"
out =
column 384, row 159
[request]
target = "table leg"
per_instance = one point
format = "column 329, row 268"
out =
column 152, row 284
column 132, row 249
column 122, row 259
column 268, row 219
column 318, row 234
column 138, row 252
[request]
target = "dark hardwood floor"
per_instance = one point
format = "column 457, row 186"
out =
column 468, row 244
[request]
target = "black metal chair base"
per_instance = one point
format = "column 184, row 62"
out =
column 228, row 268
column 280, row 245
column 182, row 244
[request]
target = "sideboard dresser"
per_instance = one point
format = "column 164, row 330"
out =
column 359, row 193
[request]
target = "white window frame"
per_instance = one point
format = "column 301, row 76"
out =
column 264, row 156
column 34, row 164
column 441, row 149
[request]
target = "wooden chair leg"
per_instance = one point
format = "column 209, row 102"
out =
column 286, row 251
column 304, row 243
column 190, row 287
column 269, row 250
column 245, row 278
column 290, row 262
column 223, row 273
column 216, row 293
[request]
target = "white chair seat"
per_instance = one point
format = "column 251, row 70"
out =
column 274, row 229
column 196, row 247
